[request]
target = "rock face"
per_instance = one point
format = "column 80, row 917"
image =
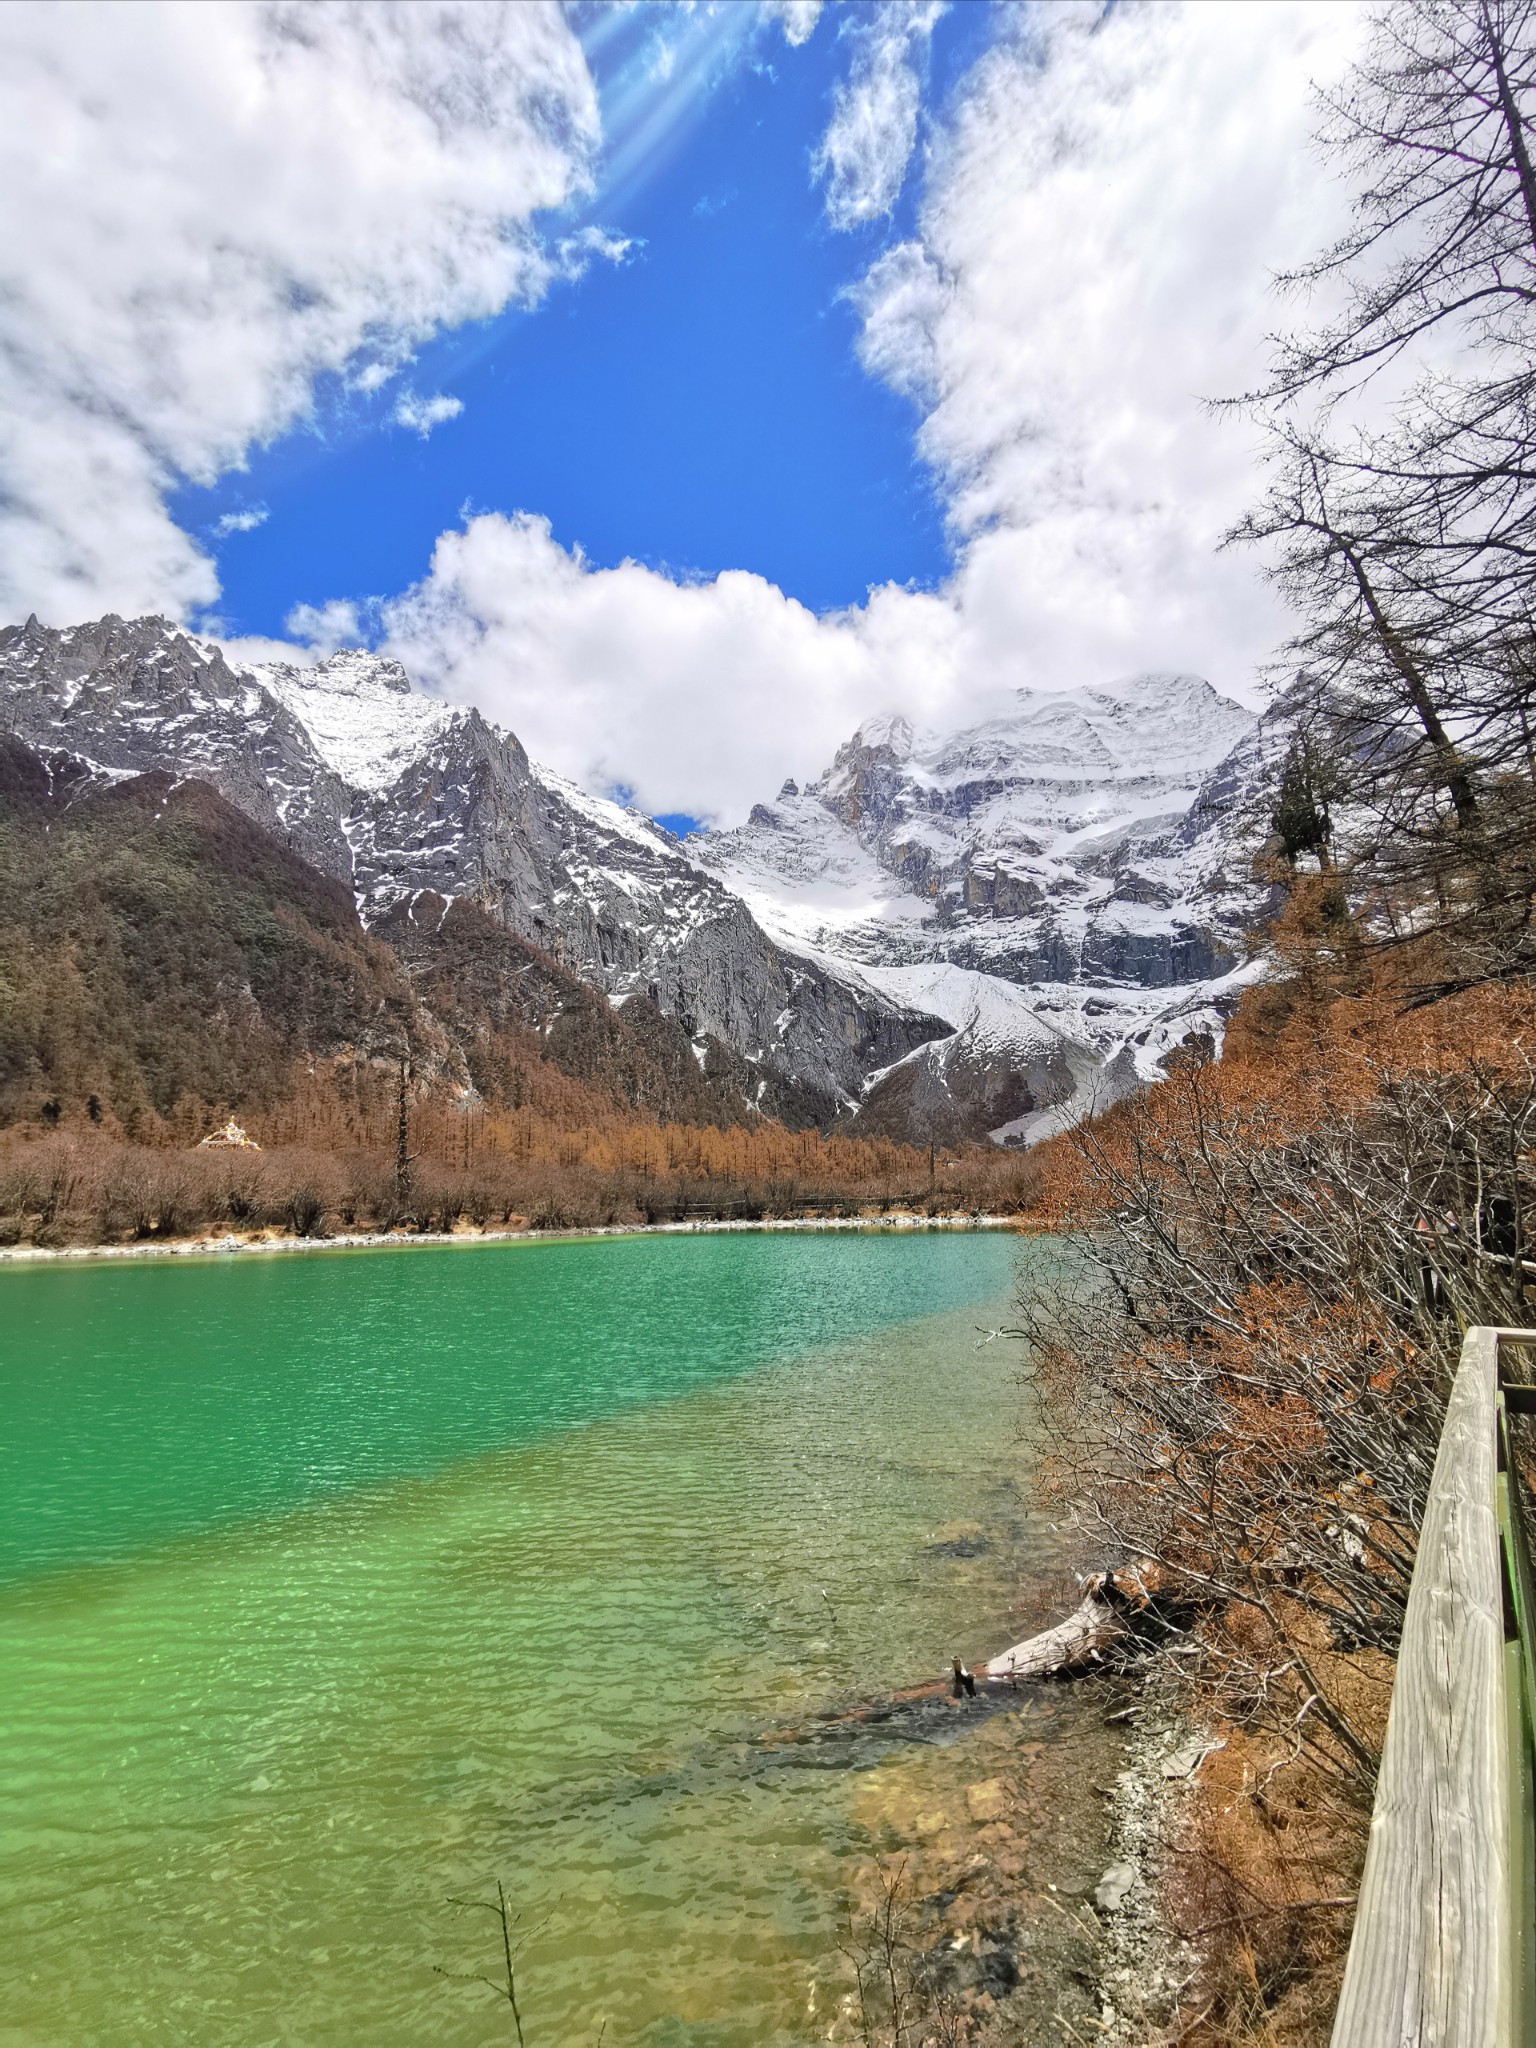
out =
column 945, row 935
column 394, row 793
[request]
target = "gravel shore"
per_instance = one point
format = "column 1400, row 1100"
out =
column 207, row 1247
column 1029, row 1843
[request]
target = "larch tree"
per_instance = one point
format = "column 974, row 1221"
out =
column 1399, row 512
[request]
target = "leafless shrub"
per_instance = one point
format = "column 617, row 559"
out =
column 1247, row 1351
column 898, row 1999
column 305, row 1211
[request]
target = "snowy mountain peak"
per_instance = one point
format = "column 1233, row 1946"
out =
column 1041, row 843
column 1049, row 762
column 351, row 672
column 361, row 713
column 1065, row 882
column 889, row 733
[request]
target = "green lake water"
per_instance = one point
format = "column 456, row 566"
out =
column 336, row 1586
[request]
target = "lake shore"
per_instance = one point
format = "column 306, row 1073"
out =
column 1025, row 1847
column 204, row 1246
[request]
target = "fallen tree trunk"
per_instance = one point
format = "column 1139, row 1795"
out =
column 1111, row 1606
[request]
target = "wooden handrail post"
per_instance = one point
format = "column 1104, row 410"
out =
column 1444, row 1940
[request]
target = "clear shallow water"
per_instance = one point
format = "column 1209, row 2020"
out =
column 334, row 1587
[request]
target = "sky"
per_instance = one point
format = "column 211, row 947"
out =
column 681, row 384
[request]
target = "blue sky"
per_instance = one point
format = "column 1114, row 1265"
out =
column 696, row 406
column 895, row 401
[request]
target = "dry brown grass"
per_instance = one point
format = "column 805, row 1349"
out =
column 1264, row 1875
column 1262, row 1883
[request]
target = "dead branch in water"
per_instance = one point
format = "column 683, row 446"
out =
column 1115, row 1606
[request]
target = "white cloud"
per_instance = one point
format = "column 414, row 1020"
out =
column 421, row 415
column 1099, row 227
column 575, row 254
column 864, row 154
column 796, row 18
column 1096, row 240
column 202, row 209
column 244, row 650
column 691, row 694
column 373, row 376
column 324, row 627
column 241, row 522
column 902, row 298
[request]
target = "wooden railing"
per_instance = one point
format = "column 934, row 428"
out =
column 1444, row 1945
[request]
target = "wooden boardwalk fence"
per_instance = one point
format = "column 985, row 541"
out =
column 1443, row 1953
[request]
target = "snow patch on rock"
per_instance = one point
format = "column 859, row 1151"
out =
column 365, row 720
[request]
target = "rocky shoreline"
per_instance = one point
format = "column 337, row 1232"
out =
column 1024, row 1848
column 1017, row 1891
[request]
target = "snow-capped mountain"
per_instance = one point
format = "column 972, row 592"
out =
column 1066, row 885
column 945, row 934
column 1048, row 845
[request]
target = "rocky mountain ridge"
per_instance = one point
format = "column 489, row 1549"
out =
column 1050, row 844
column 395, row 793
column 945, row 934
column 1067, row 883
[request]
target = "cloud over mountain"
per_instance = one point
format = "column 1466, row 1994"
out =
column 626, row 676
column 1102, row 216
column 207, row 212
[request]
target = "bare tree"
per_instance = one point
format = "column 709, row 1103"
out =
column 1399, row 515
column 1432, row 129
column 404, row 1157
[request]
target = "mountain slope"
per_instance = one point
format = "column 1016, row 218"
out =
column 1042, row 846
column 1067, row 885
column 158, row 946
column 947, row 934
column 162, row 956
column 394, row 794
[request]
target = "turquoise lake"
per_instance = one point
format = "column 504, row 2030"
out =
column 336, row 1586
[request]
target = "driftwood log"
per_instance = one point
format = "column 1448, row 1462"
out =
column 1116, row 1608
column 1113, row 1605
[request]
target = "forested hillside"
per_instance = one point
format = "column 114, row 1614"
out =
column 167, row 963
